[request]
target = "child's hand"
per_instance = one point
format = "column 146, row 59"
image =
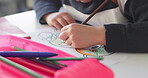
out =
column 82, row 36
column 59, row 19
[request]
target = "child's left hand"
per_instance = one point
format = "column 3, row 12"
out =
column 82, row 36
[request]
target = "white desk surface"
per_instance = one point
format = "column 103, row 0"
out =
column 124, row 65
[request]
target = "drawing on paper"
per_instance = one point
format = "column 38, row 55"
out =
column 94, row 51
column 52, row 38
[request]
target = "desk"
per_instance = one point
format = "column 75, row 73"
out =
column 124, row 65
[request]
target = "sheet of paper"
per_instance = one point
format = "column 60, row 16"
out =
column 8, row 28
column 49, row 36
column 114, row 58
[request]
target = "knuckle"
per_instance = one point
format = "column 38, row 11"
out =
column 72, row 28
column 61, row 35
column 64, row 13
column 56, row 23
column 53, row 20
column 72, row 25
column 57, row 16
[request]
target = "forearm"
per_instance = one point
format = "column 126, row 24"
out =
column 127, row 38
column 131, row 37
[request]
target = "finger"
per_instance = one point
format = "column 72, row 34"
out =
column 69, row 19
column 50, row 25
column 57, row 25
column 64, row 28
column 85, row 1
column 68, row 41
column 64, row 36
column 77, row 0
column 62, row 21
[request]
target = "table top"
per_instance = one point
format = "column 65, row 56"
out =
column 124, row 65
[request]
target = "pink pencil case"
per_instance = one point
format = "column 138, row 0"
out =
column 88, row 68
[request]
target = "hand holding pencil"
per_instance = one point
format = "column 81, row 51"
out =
column 83, row 36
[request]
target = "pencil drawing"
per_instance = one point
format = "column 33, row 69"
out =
column 52, row 38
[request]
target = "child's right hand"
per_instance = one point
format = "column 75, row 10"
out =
column 58, row 19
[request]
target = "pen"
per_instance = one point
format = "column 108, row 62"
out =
column 24, row 69
column 54, row 62
column 26, row 54
column 67, row 59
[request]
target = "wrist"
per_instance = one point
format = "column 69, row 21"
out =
column 101, row 34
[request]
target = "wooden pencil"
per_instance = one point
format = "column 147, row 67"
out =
column 22, row 68
column 95, row 11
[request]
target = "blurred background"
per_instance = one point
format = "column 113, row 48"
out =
column 8, row 7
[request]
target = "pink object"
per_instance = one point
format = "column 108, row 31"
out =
column 8, row 71
column 7, row 28
column 88, row 68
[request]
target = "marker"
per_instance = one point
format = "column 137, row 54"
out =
column 67, row 59
column 54, row 62
column 26, row 54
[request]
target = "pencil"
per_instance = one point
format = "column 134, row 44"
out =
column 57, row 63
column 46, row 64
column 95, row 11
column 67, row 59
column 18, row 49
column 22, row 68
column 33, row 66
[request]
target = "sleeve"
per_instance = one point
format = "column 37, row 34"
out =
column 132, row 37
column 43, row 7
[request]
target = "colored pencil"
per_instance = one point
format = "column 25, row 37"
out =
column 46, row 64
column 22, row 68
column 67, row 59
column 18, row 49
column 15, row 72
column 95, row 11
column 33, row 66
column 57, row 63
